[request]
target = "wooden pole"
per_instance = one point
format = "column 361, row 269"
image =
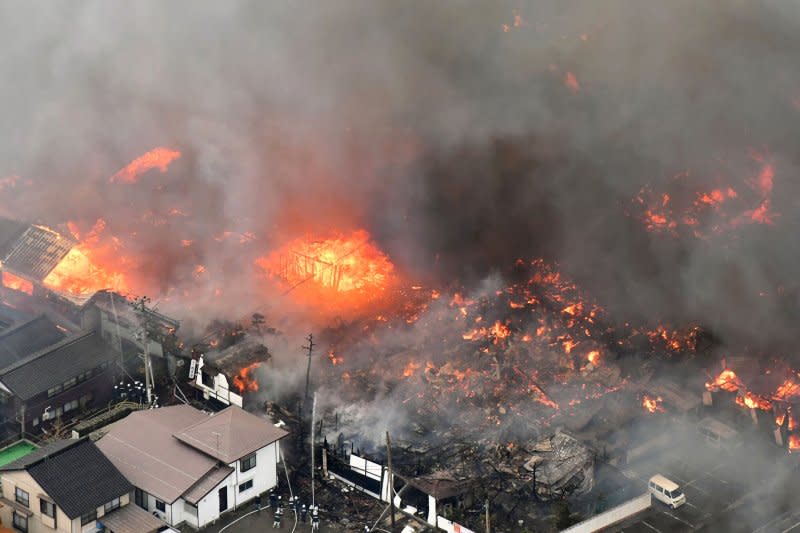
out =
column 391, row 477
column 488, row 525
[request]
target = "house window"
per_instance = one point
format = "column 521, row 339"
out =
column 161, row 506
column 246, row 485
column 70, row 383
column 53, row 391
column 35, row 421
column 208, row 380
column 47, row 508
column 89, row 517
column 139, row 499
column 247, row 463
column 22, row 497
column 59, row 411
column 110, row 506
column 21, row 522
column 69, row 406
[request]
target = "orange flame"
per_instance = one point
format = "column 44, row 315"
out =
column 787, row 389
column 794, row 442
column 78, row 274
column 245, row 380
column 159, row 158
column 652, row 405
column 727, row 381
column 410, row 368
column 17, row 283
column 754, row 401
column 348, row 267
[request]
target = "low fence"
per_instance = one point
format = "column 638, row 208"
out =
column 612, row 516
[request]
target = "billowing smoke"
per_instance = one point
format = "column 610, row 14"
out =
column 461, row 136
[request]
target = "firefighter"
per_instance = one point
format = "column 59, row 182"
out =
column 304, row 513
column 273, row 499
column 277, row 514
column 315, row 518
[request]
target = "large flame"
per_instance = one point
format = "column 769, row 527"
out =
column 17, row 283
column 345, row 267
column 78, row 274
column 245, row 380
column 159, row 158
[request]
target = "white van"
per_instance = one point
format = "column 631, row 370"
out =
column 666, row 491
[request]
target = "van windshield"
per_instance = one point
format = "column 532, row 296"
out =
column 675, row 493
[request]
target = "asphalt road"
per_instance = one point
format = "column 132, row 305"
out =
column 751, row 491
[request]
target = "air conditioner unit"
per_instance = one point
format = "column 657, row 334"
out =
column 158, row 514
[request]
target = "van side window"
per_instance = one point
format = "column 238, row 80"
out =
column 660, row 490
column 652, row 485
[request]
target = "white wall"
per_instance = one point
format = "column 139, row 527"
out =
column 612, row 516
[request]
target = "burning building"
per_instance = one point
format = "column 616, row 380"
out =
column 29, row 253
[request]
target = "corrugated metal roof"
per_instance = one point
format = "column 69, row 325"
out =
column 131, row 519
column 143, row 448
column 37, row 252
column 207, row 484
column 231, row 434
column 56, row 364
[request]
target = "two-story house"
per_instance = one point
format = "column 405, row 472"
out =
column 69, row 486
column 49, row 376
column 188, row 466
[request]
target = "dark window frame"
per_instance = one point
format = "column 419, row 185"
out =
column 44, row 505
column 110, row 506
column 161, row 506
column 23, row 525
column 247, row 463
column 24, row 500
column 249, row 486
column 91, row 516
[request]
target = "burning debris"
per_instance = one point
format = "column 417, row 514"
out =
column 348, row 270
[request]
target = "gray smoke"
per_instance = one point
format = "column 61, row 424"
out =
column 459, row 145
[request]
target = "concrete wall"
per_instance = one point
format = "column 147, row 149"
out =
column 612, row 516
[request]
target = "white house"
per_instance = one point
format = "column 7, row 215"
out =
column 212, row 383
column 190, row 467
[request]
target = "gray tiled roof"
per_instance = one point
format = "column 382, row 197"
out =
column 27, row 338
column 56, row 364
column 77, row 476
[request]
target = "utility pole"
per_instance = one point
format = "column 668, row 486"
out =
column 488, row 525
column 313, row 416
column 391, row 477
column 140, row 305
column 310, row 349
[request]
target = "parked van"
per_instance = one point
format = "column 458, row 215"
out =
column 717, row 434
column 666, row 491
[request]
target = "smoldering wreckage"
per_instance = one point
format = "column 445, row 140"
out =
column 520, row 290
